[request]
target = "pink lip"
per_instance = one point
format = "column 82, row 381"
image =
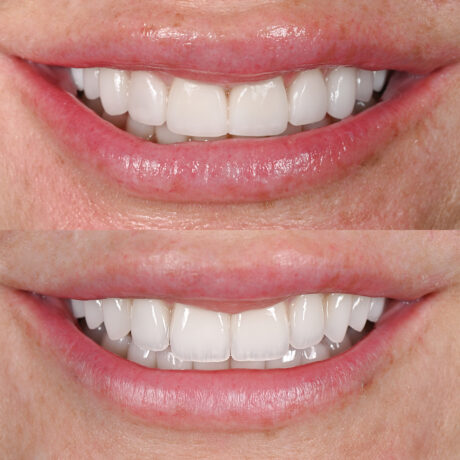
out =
column 234, row 170
column 224, row 400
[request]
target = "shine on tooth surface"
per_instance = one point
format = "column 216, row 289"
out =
column 359, row 312
column 376, row 308
column 199, row 335
column 147, row 98
column 77, row 77
column 167, row 360
column 119, row 347
column 364, row 85
column 341, row 85
column 150, row 320
column 96, row 335
column 258, row 109
column 117, row 317
column 338, row 312
column 306, row 319
column 78, row 308
column 261, row 334
column 139, row 129
column 113, row 89
column 338, row 348
column 93, row 313
column 196, row 109
column 91, row 83
column 292, row 358
column 307, row 96
column 380, row 77
column 316, row 353
column 141, row 356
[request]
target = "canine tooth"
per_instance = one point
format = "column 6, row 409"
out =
column 117, row 120
column 341, row 85
column 93, row 313
column 141, row 356
column 78, row 308
column 337, row 348
column 117, row 317
column 119, row 346
column 338, row 312
column 113, row 88
column 258, row 109
column 306, row 318
column 139, row 129
column 291, row 359
column 376, row 308
column 165, row 136
column 147, row 98
column 364, row 85
column 318, row 352
column 77, row 77
column 359, row 312
column 261, row 334
column 91, row 83
column 234, row 364
column 380, row 77
column 307, row 97
column 221, row 365
column 200, row 335
column 167, row 360
column 150, row 320
column 196, row 109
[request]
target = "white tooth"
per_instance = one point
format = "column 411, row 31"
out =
column 359, row 312
column 306, row 317
column 258, row 109
column 221, row 365
column 77, row 77
column 260, row 334
column 147, row 98
column 141, row 356
column 196, row 109
column 246, row 364
column 338, row 312
column 91, row 83
column 200, row 335
column 167, row 360
column 307, row 97
column 165, row 136
column 78, row 308
column 337, row 348
column 341, row 86
column 93, row 313
column 318, row 352
column 139, row 129
column 113, row 87
column 380, row 77
column 119, row 347
column 291, row 359
column 364, row 85
column 150, row 320
column 117, row 317
column 376, row 308
column 117, row 120
column 95, row 335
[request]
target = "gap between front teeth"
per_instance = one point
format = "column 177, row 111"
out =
column 142, row 103
column 156, row 333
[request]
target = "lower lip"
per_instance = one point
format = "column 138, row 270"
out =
column 220, row 400
column 235, row 170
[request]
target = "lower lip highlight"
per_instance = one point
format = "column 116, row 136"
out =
column 216, row 400
column 235, row 170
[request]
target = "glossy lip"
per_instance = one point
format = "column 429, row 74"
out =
column 214, row 400
column 233, row 170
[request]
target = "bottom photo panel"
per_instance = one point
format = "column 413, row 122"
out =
column 285, row 344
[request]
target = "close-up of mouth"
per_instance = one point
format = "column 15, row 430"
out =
column 165, row 332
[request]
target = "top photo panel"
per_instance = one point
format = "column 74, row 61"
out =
column 235, row 114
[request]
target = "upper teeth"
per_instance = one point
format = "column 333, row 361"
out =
column 196, row 109
column 201, row 335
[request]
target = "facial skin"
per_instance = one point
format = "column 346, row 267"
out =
column 408, row 409
column 411, row 182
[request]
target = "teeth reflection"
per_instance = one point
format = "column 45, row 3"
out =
column 141, row 356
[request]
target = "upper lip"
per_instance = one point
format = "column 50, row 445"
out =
column 237, row 273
